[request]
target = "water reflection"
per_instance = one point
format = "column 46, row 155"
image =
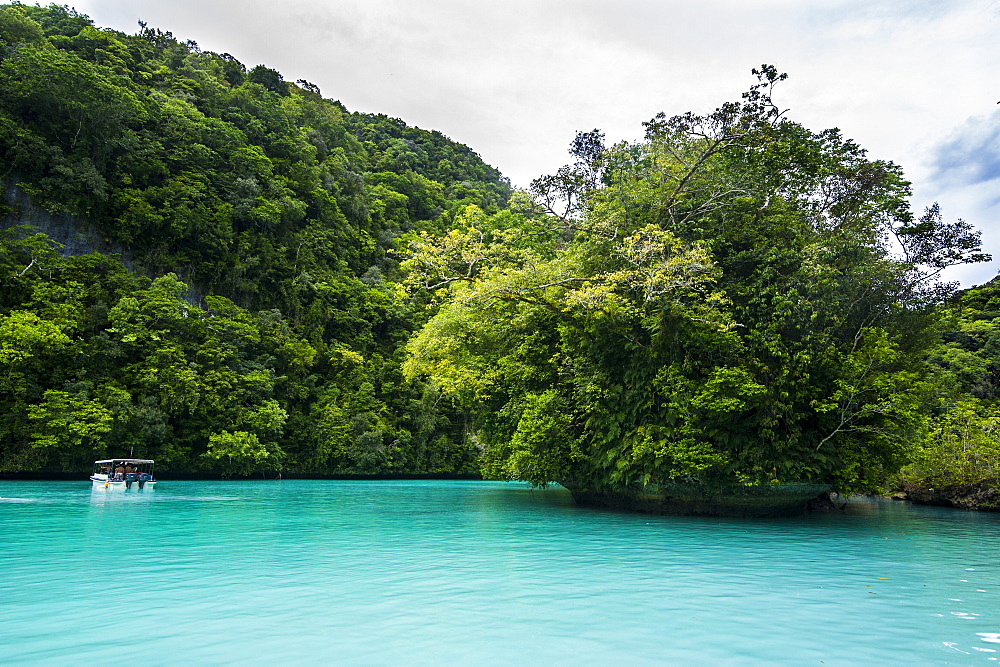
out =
column 388, row 572
column 102, row 494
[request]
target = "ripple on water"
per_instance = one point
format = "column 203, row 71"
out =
column 384, row 572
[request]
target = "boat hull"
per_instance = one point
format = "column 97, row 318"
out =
column 114, row 485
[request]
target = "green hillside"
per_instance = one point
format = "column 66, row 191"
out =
column 259, row 280
column 278, row 209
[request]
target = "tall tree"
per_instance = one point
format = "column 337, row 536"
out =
column 726, row 310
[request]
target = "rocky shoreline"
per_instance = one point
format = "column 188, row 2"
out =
column 982, row 496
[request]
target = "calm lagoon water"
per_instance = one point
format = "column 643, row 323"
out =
column 409, row 572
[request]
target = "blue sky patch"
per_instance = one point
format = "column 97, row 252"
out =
column 971, row 154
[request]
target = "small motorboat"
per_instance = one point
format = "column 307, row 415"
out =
column 123, row 474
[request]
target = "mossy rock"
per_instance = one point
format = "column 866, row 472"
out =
column 983, row 495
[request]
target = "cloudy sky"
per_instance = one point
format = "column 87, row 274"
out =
column 910, row 80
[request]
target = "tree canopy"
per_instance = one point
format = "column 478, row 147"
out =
column 258, row 324
column 274, row 282
column 735, row 299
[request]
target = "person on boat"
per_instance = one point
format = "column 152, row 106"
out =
column 119, row 471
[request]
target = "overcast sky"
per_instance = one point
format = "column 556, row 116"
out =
column 910, row 80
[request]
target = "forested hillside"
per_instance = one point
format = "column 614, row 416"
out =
column 280, row 284
column 277, row 209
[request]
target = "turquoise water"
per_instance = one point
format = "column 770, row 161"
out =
column 478, row 572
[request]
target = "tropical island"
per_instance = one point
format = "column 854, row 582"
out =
column 204, row 264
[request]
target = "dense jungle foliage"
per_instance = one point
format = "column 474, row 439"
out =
column 734, row 300
column 287, row 285
column 279, row 211
column 960, row 446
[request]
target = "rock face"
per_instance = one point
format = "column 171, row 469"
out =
column 824, row 502
column 981, row 496
column 680, row 499
column 75, row 236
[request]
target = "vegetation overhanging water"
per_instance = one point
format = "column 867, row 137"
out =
column 208, row 265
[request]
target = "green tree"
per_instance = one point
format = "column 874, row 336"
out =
column 242, row 451
column 17, row 28
column 72, row 424
column 960, row 447
column 715, row 305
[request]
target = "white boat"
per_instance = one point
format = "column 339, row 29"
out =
column 123, row 474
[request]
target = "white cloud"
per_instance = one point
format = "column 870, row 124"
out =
column 515, row 79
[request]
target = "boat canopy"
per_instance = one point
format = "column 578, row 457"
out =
column 124, row 461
